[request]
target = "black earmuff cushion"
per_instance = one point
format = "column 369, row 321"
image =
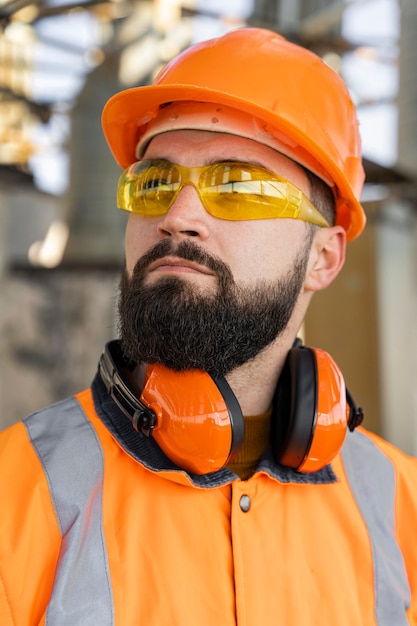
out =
column 237, row 422
column 295, row 408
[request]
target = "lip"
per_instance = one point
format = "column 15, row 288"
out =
column 172, row 264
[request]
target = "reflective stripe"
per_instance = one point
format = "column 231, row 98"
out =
column 371, row 476
column 72, row 458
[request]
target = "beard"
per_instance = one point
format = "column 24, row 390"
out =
column 173, row 322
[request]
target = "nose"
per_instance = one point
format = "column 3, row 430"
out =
column 186, row 218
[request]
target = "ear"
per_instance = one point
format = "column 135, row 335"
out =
column 327, row 256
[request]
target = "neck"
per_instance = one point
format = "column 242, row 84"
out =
column 254, row 383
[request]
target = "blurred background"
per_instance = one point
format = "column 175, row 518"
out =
column 61, row 237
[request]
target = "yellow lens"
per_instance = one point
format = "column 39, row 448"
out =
column 148, row 187
column 158, row 185
column 241, row 191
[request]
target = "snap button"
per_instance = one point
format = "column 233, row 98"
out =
column 244, row 503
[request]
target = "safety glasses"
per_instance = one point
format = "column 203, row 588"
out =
column 229, row 190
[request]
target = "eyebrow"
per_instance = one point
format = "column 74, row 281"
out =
column 215, row 161
column 243, row 161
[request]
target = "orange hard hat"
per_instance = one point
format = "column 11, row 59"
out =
column 294, row 96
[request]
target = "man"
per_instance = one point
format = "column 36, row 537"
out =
column 213, row 474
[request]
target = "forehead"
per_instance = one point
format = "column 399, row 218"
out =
column 198, row 147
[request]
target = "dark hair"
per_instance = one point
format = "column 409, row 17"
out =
column 322, row 197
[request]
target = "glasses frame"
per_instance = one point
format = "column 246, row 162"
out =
column 292, row 202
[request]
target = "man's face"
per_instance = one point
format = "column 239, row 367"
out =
column 201, row 292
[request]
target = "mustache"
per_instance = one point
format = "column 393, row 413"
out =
column 186, row 250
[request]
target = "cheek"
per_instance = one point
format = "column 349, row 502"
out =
column 264, row 249
column 137, row 240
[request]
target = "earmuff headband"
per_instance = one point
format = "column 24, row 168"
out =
column 112, row 369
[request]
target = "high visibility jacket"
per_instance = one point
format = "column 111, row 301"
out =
column 98, row 528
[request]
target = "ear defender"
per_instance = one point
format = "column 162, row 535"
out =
column 197, row 422
column 194, row 418
column 312, row 410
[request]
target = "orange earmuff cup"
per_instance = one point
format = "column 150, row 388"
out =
column 199, row 424
column 332, row 414
column 311, row 412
